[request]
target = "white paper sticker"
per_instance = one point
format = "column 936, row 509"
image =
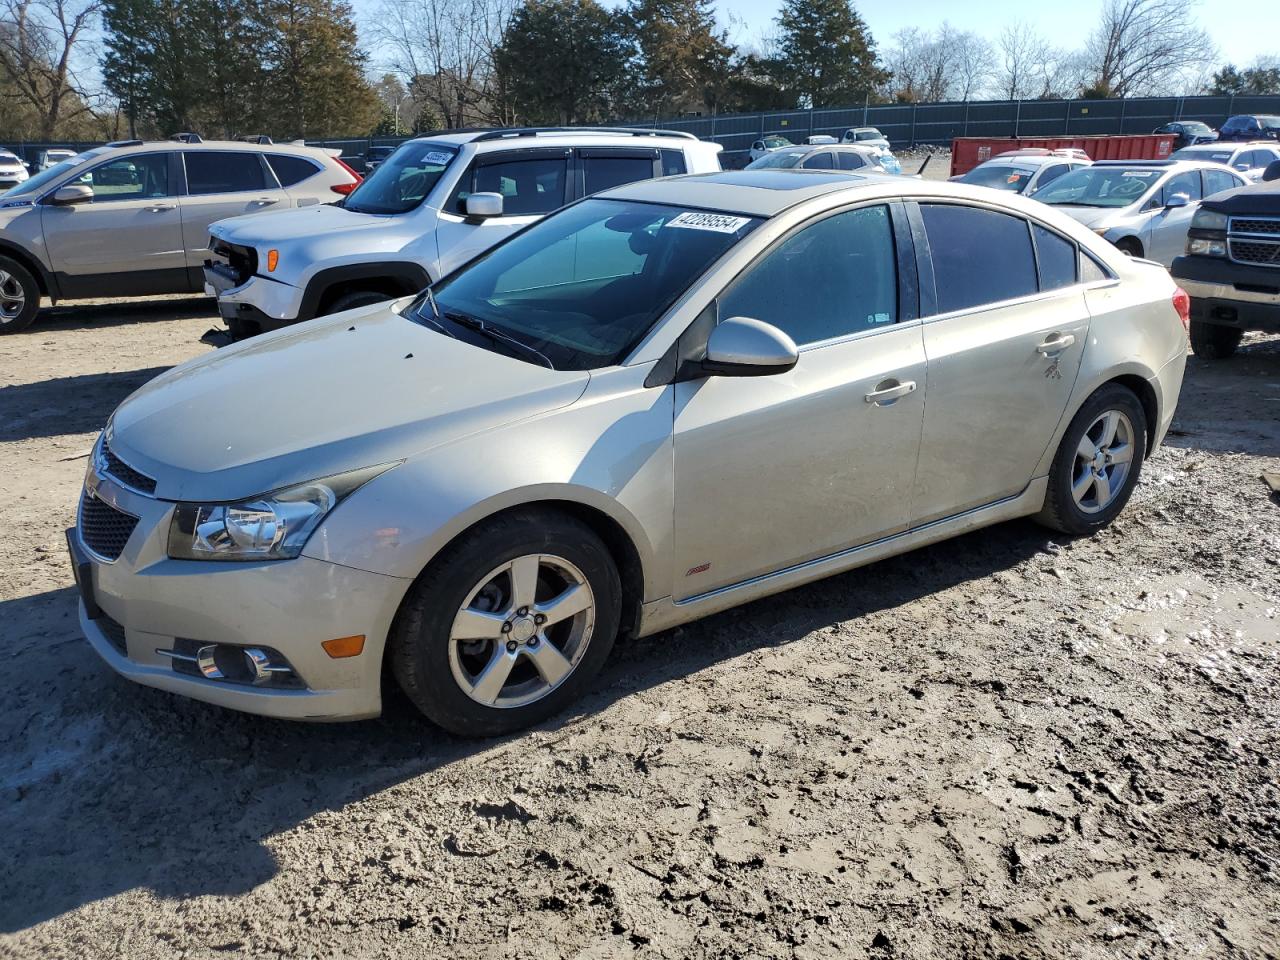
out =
column 717, row 222
column 1139, row 173
column 435, row 156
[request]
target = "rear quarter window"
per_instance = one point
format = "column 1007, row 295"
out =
column 290, row 170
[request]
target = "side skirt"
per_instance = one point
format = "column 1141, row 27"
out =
column 663, row 614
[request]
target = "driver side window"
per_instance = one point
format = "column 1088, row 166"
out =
column 132, row 177
column 830, row 279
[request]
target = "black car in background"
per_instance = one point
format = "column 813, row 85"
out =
column 1250, row 126
column 1188, row 132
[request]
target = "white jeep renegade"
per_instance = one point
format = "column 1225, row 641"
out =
column 434, row 204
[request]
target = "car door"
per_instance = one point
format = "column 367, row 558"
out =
column 774, row 471
column 1168, row 225
column 1003, row 353
column 222, row 184
column 532, row 183
column 127, row 241
column 603, row 168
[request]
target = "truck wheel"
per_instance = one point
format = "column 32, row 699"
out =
column 1212, row 341
column 19, row 296
column 356, row 298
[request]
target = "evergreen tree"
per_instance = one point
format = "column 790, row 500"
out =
column 562, row 61
column 825, row 54
column 682, row 62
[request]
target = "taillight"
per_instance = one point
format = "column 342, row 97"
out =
column 346, row 188
column 1182, row 303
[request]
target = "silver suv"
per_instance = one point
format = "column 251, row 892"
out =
column 427, row 209
column 131, row 218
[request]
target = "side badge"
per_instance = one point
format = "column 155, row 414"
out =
column 700, row 568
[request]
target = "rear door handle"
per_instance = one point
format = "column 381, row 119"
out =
column 887, row 391
column 1056, row 343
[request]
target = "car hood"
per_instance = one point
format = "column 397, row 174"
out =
column 354, row 390
column 1092, row 217
column 280, row 227
column 1259, row 199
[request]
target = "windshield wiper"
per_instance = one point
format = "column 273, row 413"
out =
column 495, row 335
column 430, row 298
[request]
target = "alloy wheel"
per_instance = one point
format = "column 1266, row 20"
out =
column 522, row 631
column 1104, row 457
column 12, row 297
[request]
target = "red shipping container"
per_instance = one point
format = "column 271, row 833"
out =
column 968, row 152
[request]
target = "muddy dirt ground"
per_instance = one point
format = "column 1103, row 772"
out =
column 1009, row 745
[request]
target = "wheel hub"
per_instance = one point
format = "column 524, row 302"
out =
column 522, row 629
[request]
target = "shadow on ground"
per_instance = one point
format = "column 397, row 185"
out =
column 207, row 787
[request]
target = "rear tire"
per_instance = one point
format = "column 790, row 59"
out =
column 1212, row 341
column 1097, row 464
column 19, row 296
column 356, row 298
column 464, row 646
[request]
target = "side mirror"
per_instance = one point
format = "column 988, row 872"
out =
column 1272, row 172
column 743, row 347
column 72, row 194
column 1178, row 200
column 481, row 206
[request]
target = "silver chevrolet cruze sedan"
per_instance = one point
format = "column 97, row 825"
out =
column 660, row 402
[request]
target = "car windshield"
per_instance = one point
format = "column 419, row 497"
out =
column 1190, row 153
column 1000, row 177
column 403, row 180
column 38, row 182
column 782, row 160
column 1196, row 128
column 579, row 289
column 774, row 142
column 872, row 134
column 1099, row 187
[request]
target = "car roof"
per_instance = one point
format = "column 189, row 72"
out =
column 1035, row 160
column 756, row 193
column 817, row 147
column 528, row 136
column 149, row 146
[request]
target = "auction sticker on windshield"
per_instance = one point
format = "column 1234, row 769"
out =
column 1139, row 173
column 437, row 157
column 718, row 222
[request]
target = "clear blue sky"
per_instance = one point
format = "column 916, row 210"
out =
column 1242, row 29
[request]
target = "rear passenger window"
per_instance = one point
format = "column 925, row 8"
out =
column 831, row 279
column 602, row 173
column 290, row 170
column 210, row 171
column 979, row 256
column 673, row 163
column 819, row 161
column 849, row 160
column 1055, row 257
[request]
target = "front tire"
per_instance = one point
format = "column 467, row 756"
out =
column 1097, row 464
column 509, row 625
column 356, row 298
column 1130, row 246
column 1212, row 341
column 19, row 296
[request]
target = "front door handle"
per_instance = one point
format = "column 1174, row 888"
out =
column 159, row 208
column 887, row 391
column 264, row 202
column 1056, row 343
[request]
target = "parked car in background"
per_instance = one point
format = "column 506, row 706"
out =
column 1231, row 267
column 821, row 138
column 867, row 137
column 766, row 145
column 1188, row 132
column 1250, row 126
column 1248, row 158
column 132, row 218
column 12, row 171
column 596, row 428
column 838, row 156
column 435, row 204
column 1024, row 171
column 1144, row 207
column 52, row 157
column 375, row 156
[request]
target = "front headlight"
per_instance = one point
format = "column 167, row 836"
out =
column 275, row 526
column 1208, row 220
column 1200, row 247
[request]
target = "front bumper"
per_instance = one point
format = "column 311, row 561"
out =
column 271, row 304
column 1230, row 294
column 147, row 603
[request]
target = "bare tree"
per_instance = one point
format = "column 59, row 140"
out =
column 949, row 65
column 444, row 51
column 1023, row 55
column 38, row 40
column 974, row 63
column 1146, row 47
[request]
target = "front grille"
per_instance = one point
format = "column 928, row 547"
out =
column 114, row 633
column 104, row 529
column 1264, row 225
column 240, row 263
column 1264, row 253
column 130, row 477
